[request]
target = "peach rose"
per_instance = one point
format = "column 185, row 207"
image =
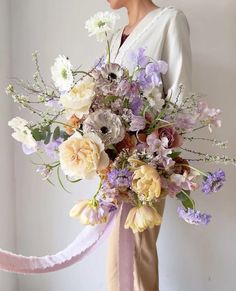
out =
column 81, row 156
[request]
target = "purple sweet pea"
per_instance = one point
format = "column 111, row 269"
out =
column 194, row 216
column 136, row 105
column 52, row 147
column 137, row 123
column 137, row 58
column 213, row 182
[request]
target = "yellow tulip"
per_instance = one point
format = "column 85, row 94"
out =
column 146, row 183
column 142, row 217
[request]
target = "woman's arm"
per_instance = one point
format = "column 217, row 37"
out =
column 177, row 53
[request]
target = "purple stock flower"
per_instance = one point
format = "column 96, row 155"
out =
column 120, row 178
column 194, row 216
column 213, row 182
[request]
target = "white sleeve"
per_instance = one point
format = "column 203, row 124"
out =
column 177, row 53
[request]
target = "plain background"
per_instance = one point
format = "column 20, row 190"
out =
column 34, row 215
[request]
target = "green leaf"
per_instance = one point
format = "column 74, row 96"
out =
column 126, row 103
column 38, row 134
column 174, row 155
column 48, row 137
column 56, row 133
column 187, row 201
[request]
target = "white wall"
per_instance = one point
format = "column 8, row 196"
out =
column 7, row 197
column 191, row 259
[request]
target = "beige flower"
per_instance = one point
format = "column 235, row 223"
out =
column 88, row 213
column 141, row 218
column 78, row 101
column 82, row 156
column 146, row 183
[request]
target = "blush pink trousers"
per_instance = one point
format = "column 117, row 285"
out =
column 145, row 258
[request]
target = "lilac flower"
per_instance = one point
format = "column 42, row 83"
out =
column 213, row 182
column 137, row 58
column 185, row 181
column 120, row 178
column 52, row 147
column 209, row 115
column 186, row 121
column 136, row 105
column 110, row 192
column 137, row 123
column 194, row 216
column 153, row 71
column 160, row 148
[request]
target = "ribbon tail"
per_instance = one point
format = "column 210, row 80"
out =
column 84, row 244
column 126, row 253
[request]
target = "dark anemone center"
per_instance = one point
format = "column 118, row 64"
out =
column 112, row 76
column 104, row 130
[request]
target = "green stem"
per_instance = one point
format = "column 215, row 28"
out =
column 193, row 168
column 98, row 189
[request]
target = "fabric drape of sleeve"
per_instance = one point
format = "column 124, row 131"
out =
column 177, row 53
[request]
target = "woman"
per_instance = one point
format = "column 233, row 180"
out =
column 165, row 34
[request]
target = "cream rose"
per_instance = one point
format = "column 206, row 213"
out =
column 141, row 218
column 78, row 101
column 146, row 183
column 81, row 156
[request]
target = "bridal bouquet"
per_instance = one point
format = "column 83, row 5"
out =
column 113, row 122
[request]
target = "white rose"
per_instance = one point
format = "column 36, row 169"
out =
column 81, row 156
column 79, row 99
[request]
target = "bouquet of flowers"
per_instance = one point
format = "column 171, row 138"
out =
column 113, row 122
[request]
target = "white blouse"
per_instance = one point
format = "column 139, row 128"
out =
column 165, row 34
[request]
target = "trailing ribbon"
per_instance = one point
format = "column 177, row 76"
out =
column 86, row 242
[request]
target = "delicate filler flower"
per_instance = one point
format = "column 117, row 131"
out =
column 146, row 183
column 45, row 171
column 141, row 218
column 82, row 156
column 78, row 101
column 120, row 178
column 102, row 24
column 89, row 212
column 106, row 125
column 194, row 216
column 62, row 73
column 213, row 182
column 23, row 134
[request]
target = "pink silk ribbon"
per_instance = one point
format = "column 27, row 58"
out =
column 84, row 244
